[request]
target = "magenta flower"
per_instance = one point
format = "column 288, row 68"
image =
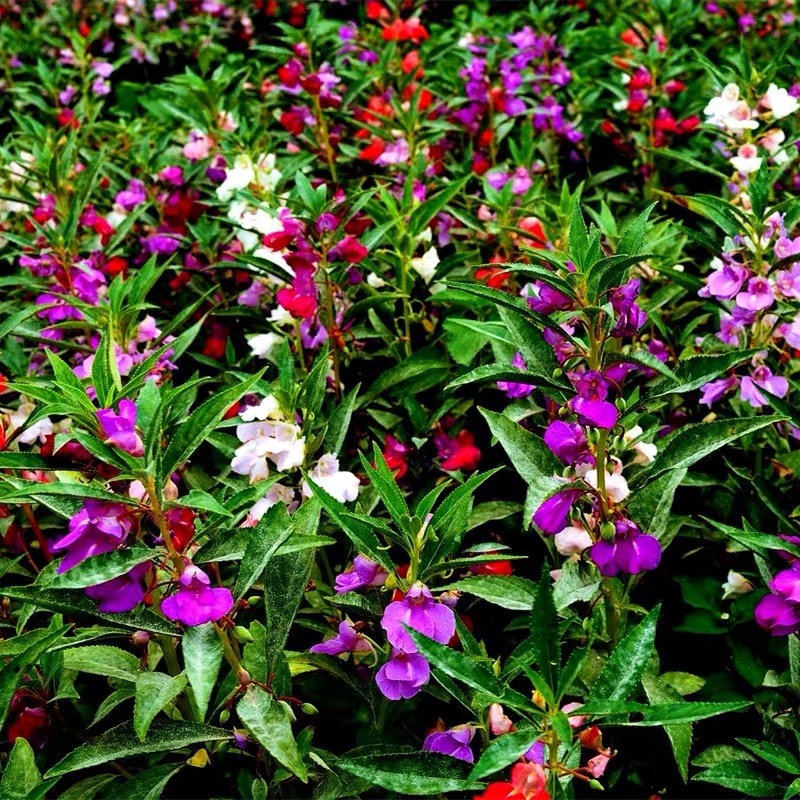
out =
column 349, row 640
column 630, row 553
column 553, row 514
column 544, row 299
column 567, row 441
column 514, row 390
column 777, row 615
column 714, row 390
column 591, row 405
column 403, row 675
column 97, row 528
column 630, row 316
column 196, row 602
column 361, row 574
column 123, row 593
column 453, row 742
column 758, row 295
column 726, row 281
column 120, row 428
column 421, row 612
column 133, row 196
column 786, row 583
column 762, row 379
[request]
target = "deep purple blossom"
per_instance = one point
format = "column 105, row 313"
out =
column 630, row 317
column 133, row 196
column 777, row 615
column 544, row 299
column 348, row 640
column 453, row 742
column 418, row 610
column 513, row 389
column 630, row 553
column 361, row 574
column 714, row 390
column 553, row 514
column 196, row 602
column 762, row 378
column 591, row 405
column 123, row 593
column 566, row 440
column 120, row 428
column 98, row 527
column 403, row 675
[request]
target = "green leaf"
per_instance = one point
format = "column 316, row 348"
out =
column 720, row 754
column 657, row 715
column 690, row 444
column 779, row 757
column 203, row 501
column 120, row 742
column 147, row 785
column 529, row 455
column 540, row 359
column 742, row 777
column 694, row 372
column 506, row 591
column 101, row 568
column 102, row 659
column 202, row 421
column 724, row 215
column 381, row 477
column 13, row 673
column 684, row 682
column 74, row 601
column 273, row 529
column 650, row 507
column 621, row 673
column 411, row 773
column 574, row 586
column 792, row 790
column 270, row 722
column 502, row 751
column 154, row 691
column 680, row 736
column 88, row 788
column 546, row 634
column 202, row 656
column 425, row 212
column 339, row 422
column 756, row 541
column 21, row 774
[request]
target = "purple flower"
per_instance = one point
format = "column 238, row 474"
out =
column 535, row 753
column 361, row 574
column 726, row 280
column 123, row 593
column 196, row 602
column 630, row 316
column 544, row 299
column 714, row 390
column 421, row 612
column 758, row 295
column 453, row 742
column 514, row 390
column 777, row 615
column 120, row 429
column 630, row 553
column 98, row 527
column 553, row 514
column 132, row 196
column 591, row 405
column 160, row 244
column 349, row 640
column 764, row 379
column 786, row 583
column 566, row 440
column 403, row 675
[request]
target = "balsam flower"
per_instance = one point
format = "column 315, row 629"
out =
column 403, row 675
column 361, row 574
column 195, row 602
column 418, row 610
column 591, row 405
column 348, row 640
column 337, row 483
column 121, row 594
column 630, row 553
column 453, row 742
column 119, row 428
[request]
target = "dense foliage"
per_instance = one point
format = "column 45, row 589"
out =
column 399, row 398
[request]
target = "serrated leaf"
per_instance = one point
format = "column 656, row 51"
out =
column 154, row 691
column 658, row 715
column 694, row 372
column 202, row 656
column 741, row 776
column 507, row 591
column 623, row 670
column 263, row 540
column 147, row 785
column 88, row 788
column 101, row 568
column 120, row 742
column 502, row 751
column 779, row 757
column 411, row 773
column 684, row 682
column 21, row 774
column 102, row 659
column 719, row 754
column 680, row 736
column 270, row 722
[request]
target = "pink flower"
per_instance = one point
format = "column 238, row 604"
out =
column 418, row 610
column 196, row 602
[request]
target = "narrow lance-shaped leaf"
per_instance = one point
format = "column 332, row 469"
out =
column 202, row 657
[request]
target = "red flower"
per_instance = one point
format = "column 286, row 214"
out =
column 216, row 342
column 458, row 453
column 410, row 30
column 536, row 238
column 294, row 121
column 495, row 277
column 394, row 453
column 116, row 265
column 372, row 150
column 493, row 568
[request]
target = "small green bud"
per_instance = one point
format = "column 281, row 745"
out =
column 254, row 600
column 621, row 404
column 595, row 784
column 242, row 634
column 607, row 531
column 307, row 708
column 557, row 373
column 224, row 716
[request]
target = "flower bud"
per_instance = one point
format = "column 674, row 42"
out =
column 242, row 634
column 243, row 676
column 170, row 491
column 607, row 531
column 592, row 738
column 140, row 638
column 538, row 699
column 307, row 708
column 224, row 716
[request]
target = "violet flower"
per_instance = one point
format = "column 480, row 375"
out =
column 121, row 594
column 777, row 615
column 630, row 553
column 762, row 378
column 630, row 316
column 418, row 610
column 514, row 390
column 349, row 640
column 403, row 675
column 453, row 742
column 552, row 516
column 567, row 441
column 120, row 428
column 361, row 574
column 196, row 602
column 591, row 405
column 98, row 527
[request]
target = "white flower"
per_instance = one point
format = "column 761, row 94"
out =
column 727, row 111
column 38, row 431
column 239, row 176
column 780, row 102
column 275, row 494
column 263, row 344
column 267, row 174
column 280, row 316
column 341, row 485
column 268, row 408
column 572, row 540
column 266, row 439
column 426, row 265
column 735, row 585
column 375, row 282
column 645, row 452
column 746, row 159
column 616, row 486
